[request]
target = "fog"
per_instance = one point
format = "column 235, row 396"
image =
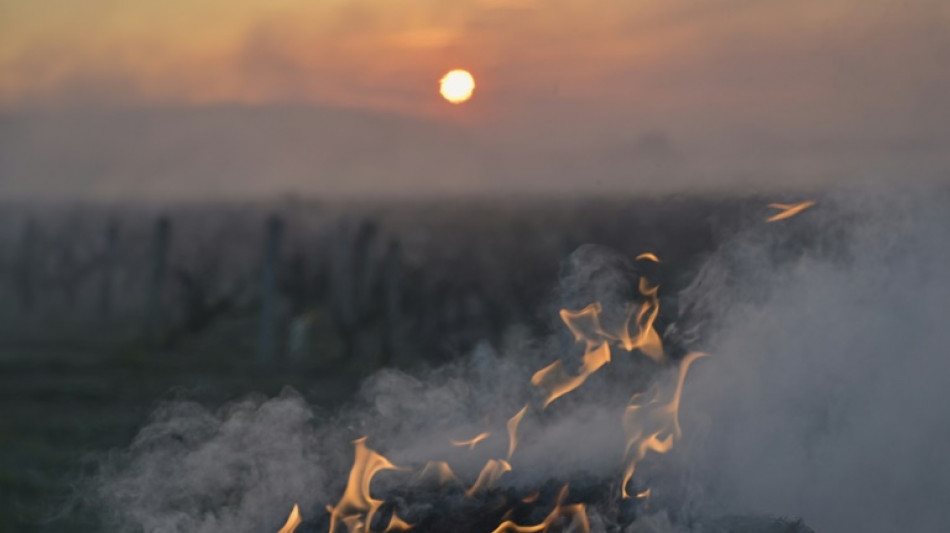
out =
column 340, row 99
column 250, row 152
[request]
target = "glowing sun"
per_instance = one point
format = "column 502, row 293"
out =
column 457, row 86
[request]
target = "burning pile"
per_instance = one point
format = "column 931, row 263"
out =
column 552, row 461
column 650, row 424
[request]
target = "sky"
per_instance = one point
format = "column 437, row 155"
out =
column 111, row 99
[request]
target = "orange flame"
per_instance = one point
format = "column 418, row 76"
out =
column 648, row 256
column 556, row 382
column 647, row 339
column 662, row 418
column 585, row 324
column 788, row 210
column 357, row 507
column 441, row 470
column 397, row 524
column 513, row 423
column 490, row 474
column 577, row 514
column 471, row 442
column 292, row 521
column 531, row 498
column 586, row 327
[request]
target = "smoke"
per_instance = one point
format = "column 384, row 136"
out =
column 826, row 397
column 194, row 470
column 822, row 398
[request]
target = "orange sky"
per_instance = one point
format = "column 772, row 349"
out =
column 549, row 72
column 388, row 52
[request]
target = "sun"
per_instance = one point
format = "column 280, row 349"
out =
column 457, row 86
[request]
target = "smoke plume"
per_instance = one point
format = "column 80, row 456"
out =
column 823, row 397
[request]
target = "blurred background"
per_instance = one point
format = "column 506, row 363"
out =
column 218, row 198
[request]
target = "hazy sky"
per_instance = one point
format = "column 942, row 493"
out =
column 611, row 94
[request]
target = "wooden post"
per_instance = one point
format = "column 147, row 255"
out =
column 267, row 346
column 154, row 314
column 109, row 256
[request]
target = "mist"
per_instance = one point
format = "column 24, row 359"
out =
column 229, row 152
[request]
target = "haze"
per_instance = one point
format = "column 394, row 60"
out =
column 161, row 100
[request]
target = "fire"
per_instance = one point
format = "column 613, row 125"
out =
column 556, row 382
column 531, row 498
column 576, row 513
column 788, row 210
column 440, row 470
column 292, row 521
column 357, row 507
column 471, row 442
column 491, row 472
column 650, row 421
column 647, row 340
column 397, row 524
column 662, row 419
column 586, row 327
column 513, row 423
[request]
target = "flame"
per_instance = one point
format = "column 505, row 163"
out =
column 292, row 521
column 513, row 423
column 586, row 327
column 650, row 421
column 397, row 524
column 531, row 498
column 788, row 210
column 557, row 382
column 471, row 442
column 662, row 418
column 356, row 508
column 647, row 339
column 441, row 470
column 491, row 472
column 585, row 324
column 577, row 514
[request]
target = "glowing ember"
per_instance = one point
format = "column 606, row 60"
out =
column 788, row 210
column 649, row 257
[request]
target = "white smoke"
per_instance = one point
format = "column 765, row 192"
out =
column 826, row 394
column 822, row 398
